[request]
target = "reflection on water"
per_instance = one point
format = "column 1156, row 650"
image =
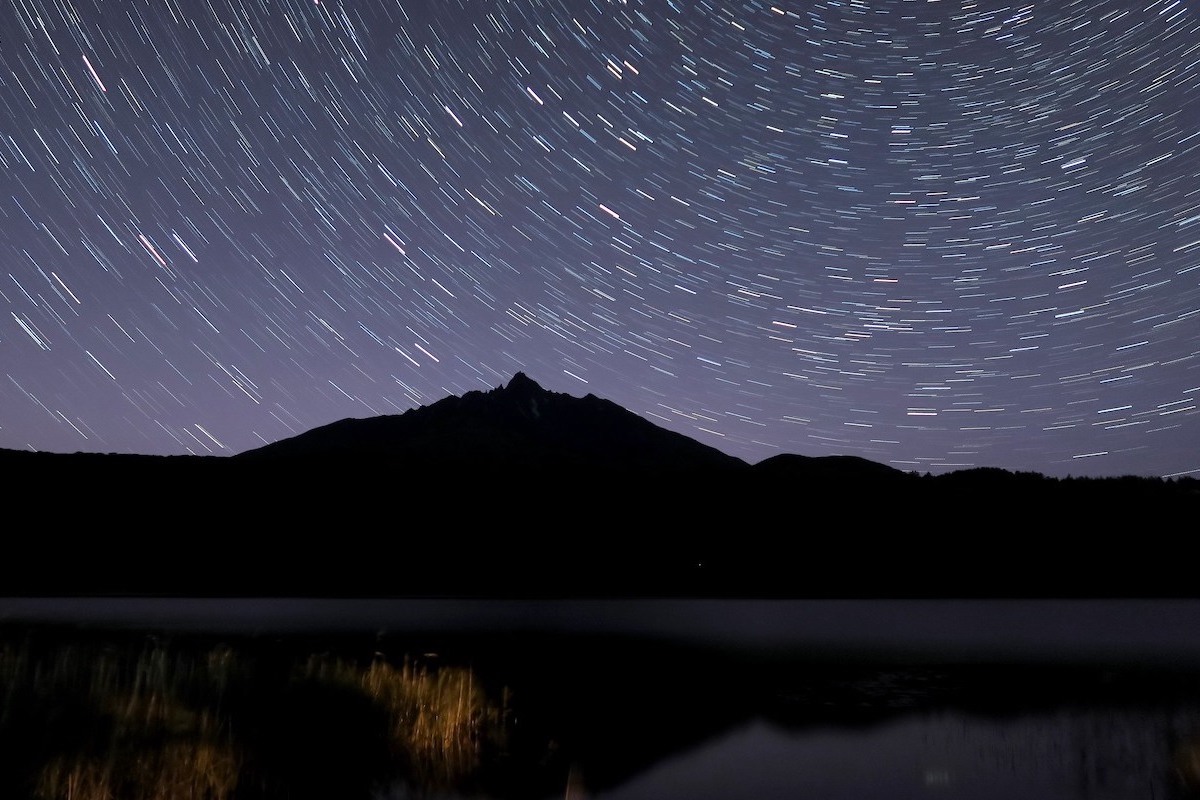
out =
column 151, row 718
column 1082, row 754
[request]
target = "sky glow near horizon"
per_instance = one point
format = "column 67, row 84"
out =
column 932, row 234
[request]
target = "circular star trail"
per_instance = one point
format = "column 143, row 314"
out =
column 932, row 234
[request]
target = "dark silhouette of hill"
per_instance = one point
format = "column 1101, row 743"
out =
column 826, row 468
column 517, row 426
column 521, row 491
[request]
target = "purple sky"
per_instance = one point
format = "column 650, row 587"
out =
column 933, row 234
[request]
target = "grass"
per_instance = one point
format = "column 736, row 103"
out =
column 103, row 721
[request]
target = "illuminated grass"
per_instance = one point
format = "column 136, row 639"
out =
column 439, row 719
column 100, row 722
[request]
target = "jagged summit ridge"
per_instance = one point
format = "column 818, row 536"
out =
column 526, row 393
column 521, row 383
column 519, row 424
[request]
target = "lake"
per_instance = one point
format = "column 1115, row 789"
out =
column 230, row 699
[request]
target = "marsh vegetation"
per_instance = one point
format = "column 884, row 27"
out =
column 127, row 715
column 163, row 719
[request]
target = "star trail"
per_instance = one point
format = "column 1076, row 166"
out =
column 934, row 234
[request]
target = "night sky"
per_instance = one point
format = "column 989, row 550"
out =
column 934, row 234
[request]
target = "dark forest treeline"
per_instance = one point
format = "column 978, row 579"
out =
column 343, row 526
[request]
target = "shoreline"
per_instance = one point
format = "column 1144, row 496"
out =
column 969, row 629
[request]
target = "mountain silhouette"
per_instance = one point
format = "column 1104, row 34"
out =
column 825, row 468
column 522, row 491
column 516, row 426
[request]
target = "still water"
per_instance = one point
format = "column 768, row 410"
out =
column 107, row 699
column 1064, row 755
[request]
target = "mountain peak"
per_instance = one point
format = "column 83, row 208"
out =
column 517, row 425
column 524, row 384
column 524, row 394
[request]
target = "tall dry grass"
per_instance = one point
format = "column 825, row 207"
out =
column 158, row 723
column 440, row 719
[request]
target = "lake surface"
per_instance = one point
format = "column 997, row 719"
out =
column 1076, row 754
column 1050, row 628
column 232, row 699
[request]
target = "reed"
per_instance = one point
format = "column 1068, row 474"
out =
column 117, row 725
column 154, row 722
column 440, row 719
